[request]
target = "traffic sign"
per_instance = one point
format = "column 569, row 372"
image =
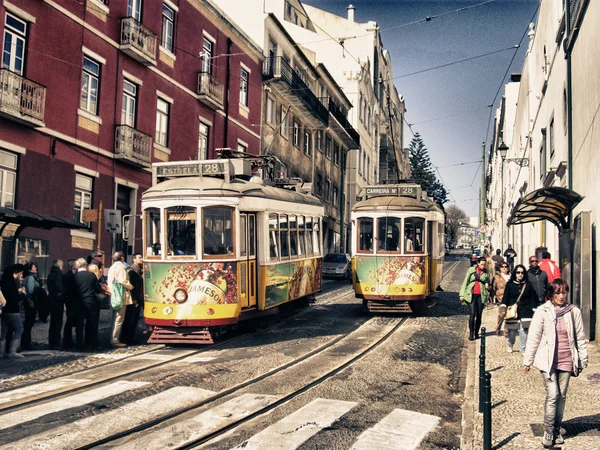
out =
column 484, row 229
column 89, row 215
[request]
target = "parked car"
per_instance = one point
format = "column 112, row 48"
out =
column 475, row 256
column 337, row 265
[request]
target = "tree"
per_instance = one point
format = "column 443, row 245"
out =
column 423, row 171
column 455, row 217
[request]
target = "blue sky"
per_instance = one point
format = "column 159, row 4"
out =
column 449, row 106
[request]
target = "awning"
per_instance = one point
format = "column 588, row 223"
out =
column 34, row 220
column 551, row 203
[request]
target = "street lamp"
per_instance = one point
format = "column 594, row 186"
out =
column 503, row 150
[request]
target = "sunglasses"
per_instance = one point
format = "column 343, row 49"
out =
column 532, row 261
column 520, row 272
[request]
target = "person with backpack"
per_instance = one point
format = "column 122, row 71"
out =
column 474, row 293
column 120, row 287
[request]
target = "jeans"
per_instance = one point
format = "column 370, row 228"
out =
column 12, row 321
column 512, row 336
column 522, row 336
column 475, row 311
column 556, row 385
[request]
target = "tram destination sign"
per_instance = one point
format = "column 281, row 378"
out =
column 393, row 191
column 193, row 169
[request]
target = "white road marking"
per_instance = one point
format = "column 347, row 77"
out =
column 92, row 429
column 35, row 389
column 72, row 401
column 399, row 430
column 198, row 359
column 291, row 431
column 188, row 431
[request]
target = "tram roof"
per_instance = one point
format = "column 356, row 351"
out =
column 217, row 187
column 387, row 203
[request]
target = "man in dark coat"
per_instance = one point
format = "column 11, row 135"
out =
column 538, row 278
column 56, row 296
column 132, row 313
column 510, row 256
column 88, row 289
column 71, row 303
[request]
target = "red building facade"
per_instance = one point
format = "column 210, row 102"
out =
column 93, row 92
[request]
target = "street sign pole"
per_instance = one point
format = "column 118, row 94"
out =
column 99, row 223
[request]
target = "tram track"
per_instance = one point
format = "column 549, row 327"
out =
column 357, row 356
column 148, row 365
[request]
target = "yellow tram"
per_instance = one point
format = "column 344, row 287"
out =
column 222, row 246
column 397, row 247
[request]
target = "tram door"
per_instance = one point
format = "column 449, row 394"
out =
column 431, row 254
column 247, row 263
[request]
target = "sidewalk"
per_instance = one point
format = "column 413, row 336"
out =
column 518, row 399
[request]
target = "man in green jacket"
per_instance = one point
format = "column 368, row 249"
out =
column 474, row 292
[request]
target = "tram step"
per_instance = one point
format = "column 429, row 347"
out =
column 167, row 336
column 401, row 307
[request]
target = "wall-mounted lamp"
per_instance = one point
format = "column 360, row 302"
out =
column 503, row 150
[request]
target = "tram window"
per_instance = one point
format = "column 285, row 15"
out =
column 243, row 234
column 273, row 237
column 284, row 236
column 252, row 234
column 441, row 245
column 317, row 236
column 301, row 236
column 414, row 232
column 181, row 230
column 217, row 231
column 152, row 221
column 388, row 234
column 365, row 234
column 293, row 236
column 309, row 236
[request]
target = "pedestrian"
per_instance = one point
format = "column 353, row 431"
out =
column 498, row 286
column 56, row 296
column 71, row 303
column 519, row 290
column 538, row 278
column 510, row 256
column 132, row 313
column 88, row 306
column 11, row 315
column 118, row 274
column 550, row 267
column 33, row 292
column 557, row 347
column 498, row 259
column 474, row 293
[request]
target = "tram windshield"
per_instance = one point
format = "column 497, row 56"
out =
column 217, row 231
column 181, row 230
column 153, row 232
column 414, row 234
column 388, row 234
column 365, row 234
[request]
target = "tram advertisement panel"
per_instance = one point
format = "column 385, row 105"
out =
column 185, row 285
column 291, row 280
column 395, row 275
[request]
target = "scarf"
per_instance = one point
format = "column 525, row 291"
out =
column 564, row 309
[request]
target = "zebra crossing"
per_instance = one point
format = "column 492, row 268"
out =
column 400, row 429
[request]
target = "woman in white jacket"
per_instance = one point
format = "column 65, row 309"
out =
column 557, row 347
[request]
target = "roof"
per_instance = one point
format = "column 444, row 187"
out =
column 34, row 220
column 550, row 203
column 216, row 187
column 393, row 202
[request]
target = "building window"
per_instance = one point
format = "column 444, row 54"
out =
column 13, row 55
column 168, row 27
column 360, row 106
column 335, row 196
column 551, row 138
column 242, row 147
column 364, row 165
column 319, row 143
column 296, row 134
column 270, row 111
column 90, row 82
column 244, row 77
column 203, row 141
column 83, row 195
column 336, row 154
column 319, row 185
column 328, row 146
column 128, row 103
column 307, row 143
column 284, row 122
column 8, row 179
column 134, row 9
column 207, row 54
column 162, row 122
column 327, row 190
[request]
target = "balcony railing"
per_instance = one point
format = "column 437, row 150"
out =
column 138, row 41
column 340, row 116
column 210, row 90
column 133, row 146
column 22, row 99
column 278, row 67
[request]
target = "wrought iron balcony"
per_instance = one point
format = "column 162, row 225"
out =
column 138, row 41
column 21, row 99
column 279, row 68
column 344, row 125
column 133, row 146
column 209, row 90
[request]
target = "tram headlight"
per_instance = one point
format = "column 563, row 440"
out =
column 180, row 295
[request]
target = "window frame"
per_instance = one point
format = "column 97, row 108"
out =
column 167, row 33
column 207, row 55
column 227, row 256
column 161, row 233
column 127, row 99
column 4, row 170
column 82, row 192
column 203, row 138
column 296, row 133
column 307, row 142
column 165, row 229
column 162, row 121
column 244, row 86
column 359, row 221
column 87, row 79
column 17, row 35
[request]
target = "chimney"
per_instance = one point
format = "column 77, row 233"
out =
column 351, row 13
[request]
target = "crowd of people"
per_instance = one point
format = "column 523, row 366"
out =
column 80, row 290
column 532, row 303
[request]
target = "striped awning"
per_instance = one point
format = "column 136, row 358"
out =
column 550, row 203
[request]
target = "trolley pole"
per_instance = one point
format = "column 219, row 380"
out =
column 487, row 413
column 482, row 194
column 482, row 371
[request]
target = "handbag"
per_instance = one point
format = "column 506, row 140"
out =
column 576, row 370
column 117, row 296
column 512, row 312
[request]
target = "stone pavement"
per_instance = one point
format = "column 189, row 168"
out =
column 518, row 399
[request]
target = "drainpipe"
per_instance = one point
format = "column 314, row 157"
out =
column 227, row 86
column 566, row 44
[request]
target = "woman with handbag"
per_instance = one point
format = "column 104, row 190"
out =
column 519, row 299
column 557, row 347
column 502, row 277
column 474, row 293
